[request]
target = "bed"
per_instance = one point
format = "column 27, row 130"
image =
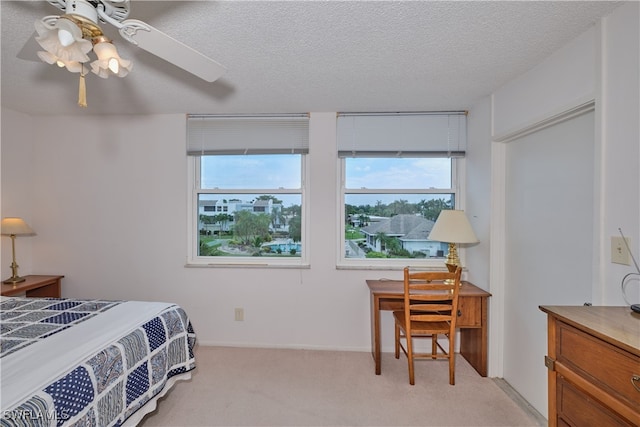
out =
column 68, row 362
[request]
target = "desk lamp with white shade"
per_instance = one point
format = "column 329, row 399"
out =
column 452, row 226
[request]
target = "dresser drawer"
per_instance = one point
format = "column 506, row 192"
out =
column 600, row 363
column 578, row 409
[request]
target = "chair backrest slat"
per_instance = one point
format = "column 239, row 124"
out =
column 430, row 318
column 432, row 286
column 430, row 308
column 432, row 297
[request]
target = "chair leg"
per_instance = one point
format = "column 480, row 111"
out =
column 434, row 345
column 397, row 341
column 410, row 358
column 452, row 361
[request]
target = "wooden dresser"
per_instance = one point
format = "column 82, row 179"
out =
column 594, row 366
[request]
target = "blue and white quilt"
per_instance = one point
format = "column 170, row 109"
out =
column 88, row 363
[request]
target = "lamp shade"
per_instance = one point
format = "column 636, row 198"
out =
column 452, row 226
column 15, row 227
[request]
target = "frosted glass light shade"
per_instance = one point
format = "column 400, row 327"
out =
column 452, row 226
column 109, row 61
column 49, row 58
column 51, row 34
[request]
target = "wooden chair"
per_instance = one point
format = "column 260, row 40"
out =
column 430, row 310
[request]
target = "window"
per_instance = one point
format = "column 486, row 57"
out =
column 247, row 178
column 398, row 171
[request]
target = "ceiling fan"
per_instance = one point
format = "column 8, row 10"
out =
column 67, row 40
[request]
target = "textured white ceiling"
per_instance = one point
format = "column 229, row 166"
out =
column 300, row 56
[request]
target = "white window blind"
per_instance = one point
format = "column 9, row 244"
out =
column 402, row 134
column 261, row 134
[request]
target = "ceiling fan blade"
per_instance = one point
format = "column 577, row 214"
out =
column 158, row 43
column 29, row 51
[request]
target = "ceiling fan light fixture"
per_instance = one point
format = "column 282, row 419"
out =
column 68, row 39
column 109, row 61
column 62, row 38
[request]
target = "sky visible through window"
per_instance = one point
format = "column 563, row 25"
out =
column 252, row 171
column 284, row 171
column 395, row 173
column 410, row 173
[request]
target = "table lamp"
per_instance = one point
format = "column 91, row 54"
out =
column 13, row 227
column 452, row 226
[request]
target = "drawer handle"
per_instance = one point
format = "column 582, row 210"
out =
column 635, row 380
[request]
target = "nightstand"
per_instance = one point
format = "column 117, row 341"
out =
column 35, row 286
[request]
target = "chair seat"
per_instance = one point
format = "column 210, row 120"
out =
column 419, row 328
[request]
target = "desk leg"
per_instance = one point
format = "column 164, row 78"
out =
column 375, row 332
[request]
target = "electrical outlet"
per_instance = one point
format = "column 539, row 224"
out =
column 619, row 252
column 239, row 314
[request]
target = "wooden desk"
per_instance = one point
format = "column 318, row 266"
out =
column 35, row 286
column 472, row 319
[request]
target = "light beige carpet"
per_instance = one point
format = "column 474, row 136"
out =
column 277, row 387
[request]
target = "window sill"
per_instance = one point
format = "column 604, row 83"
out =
column 396, row 266
column 304, row 266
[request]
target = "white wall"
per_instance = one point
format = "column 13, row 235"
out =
column 610, row 53
column 109, row 202
column 566, row 79
column 17, row 188
column 620, row 138
column 478, row 191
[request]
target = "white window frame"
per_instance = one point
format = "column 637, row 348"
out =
column 457, row 178
column 456, row 140
column 195, row 260
column 236, row 135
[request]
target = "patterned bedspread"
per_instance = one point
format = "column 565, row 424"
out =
column 88, row 362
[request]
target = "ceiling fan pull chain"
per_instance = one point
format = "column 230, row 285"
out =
column 82, row 90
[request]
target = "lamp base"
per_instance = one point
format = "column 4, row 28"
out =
column 14, row 280
column 451, row 267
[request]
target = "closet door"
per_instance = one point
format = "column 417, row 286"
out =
column 549, row 242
